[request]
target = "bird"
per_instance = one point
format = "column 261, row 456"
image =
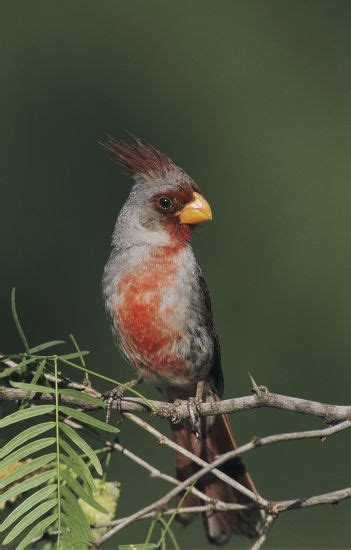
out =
column 159, row 309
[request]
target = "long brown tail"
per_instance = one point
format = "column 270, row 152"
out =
column 219, row 526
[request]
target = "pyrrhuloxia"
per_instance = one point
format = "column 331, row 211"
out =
column 160, row 312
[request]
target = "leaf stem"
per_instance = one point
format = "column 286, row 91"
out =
column 169, row 522
column 170, row 533
column 17, row 321
column 58, row 474
column 151, row 530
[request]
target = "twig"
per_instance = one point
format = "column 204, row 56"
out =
column 265, row 530
column 161, row 502
column 214, row 507
column 256, row 442
column 154, row 472
column 281, row 506
column 306, row 502
column 163, row 440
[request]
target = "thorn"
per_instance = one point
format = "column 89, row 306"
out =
column 253, row 383
column 258, row 390
column 272, row 509
column 256, row 441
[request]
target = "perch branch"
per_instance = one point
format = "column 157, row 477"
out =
column 176, row 412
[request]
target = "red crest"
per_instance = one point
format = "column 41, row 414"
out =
column 140, row 159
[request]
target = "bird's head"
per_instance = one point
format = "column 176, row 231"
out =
column 164, row 204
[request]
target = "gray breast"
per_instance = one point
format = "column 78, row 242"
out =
column 181, row 299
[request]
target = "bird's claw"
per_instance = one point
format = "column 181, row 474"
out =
column 194, row 417
column 113, row 400
column 114, row 397
column 192, row 404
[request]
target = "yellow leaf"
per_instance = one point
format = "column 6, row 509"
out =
column 107, row 494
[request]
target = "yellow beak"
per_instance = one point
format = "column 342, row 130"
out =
column 196, row 211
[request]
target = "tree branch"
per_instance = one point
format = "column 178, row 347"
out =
column 176, row 412
column 337, row 416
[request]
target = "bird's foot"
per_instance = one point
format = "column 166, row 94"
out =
column 194, row 408
column 193, row 404
column 113, row 400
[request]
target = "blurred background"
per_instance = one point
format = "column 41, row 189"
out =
column 253, row 100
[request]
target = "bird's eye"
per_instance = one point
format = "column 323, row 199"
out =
column 165, row 203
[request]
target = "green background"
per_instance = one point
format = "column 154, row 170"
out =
column 253, row 99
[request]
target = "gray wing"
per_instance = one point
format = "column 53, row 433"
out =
column 216, row 373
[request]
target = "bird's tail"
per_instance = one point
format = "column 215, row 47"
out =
column 219, row 526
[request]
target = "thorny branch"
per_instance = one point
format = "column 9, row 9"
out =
column 338, row 418
column 178, row 411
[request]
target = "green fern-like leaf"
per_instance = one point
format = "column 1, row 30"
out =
column 37, row 530
column 27, row 450
column 28, row 519
column 59, row 483
column 87, row 419
column 31, row 483
column 25, row 506
column 24, row 436
column 46, row 345
column 80, row 466
column 81, row 493
column 74, row 515
column 83, row 445
column 25, row 469
column 64, row 475
column 26, row 414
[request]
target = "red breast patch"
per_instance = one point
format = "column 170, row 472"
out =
column 146, row 327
